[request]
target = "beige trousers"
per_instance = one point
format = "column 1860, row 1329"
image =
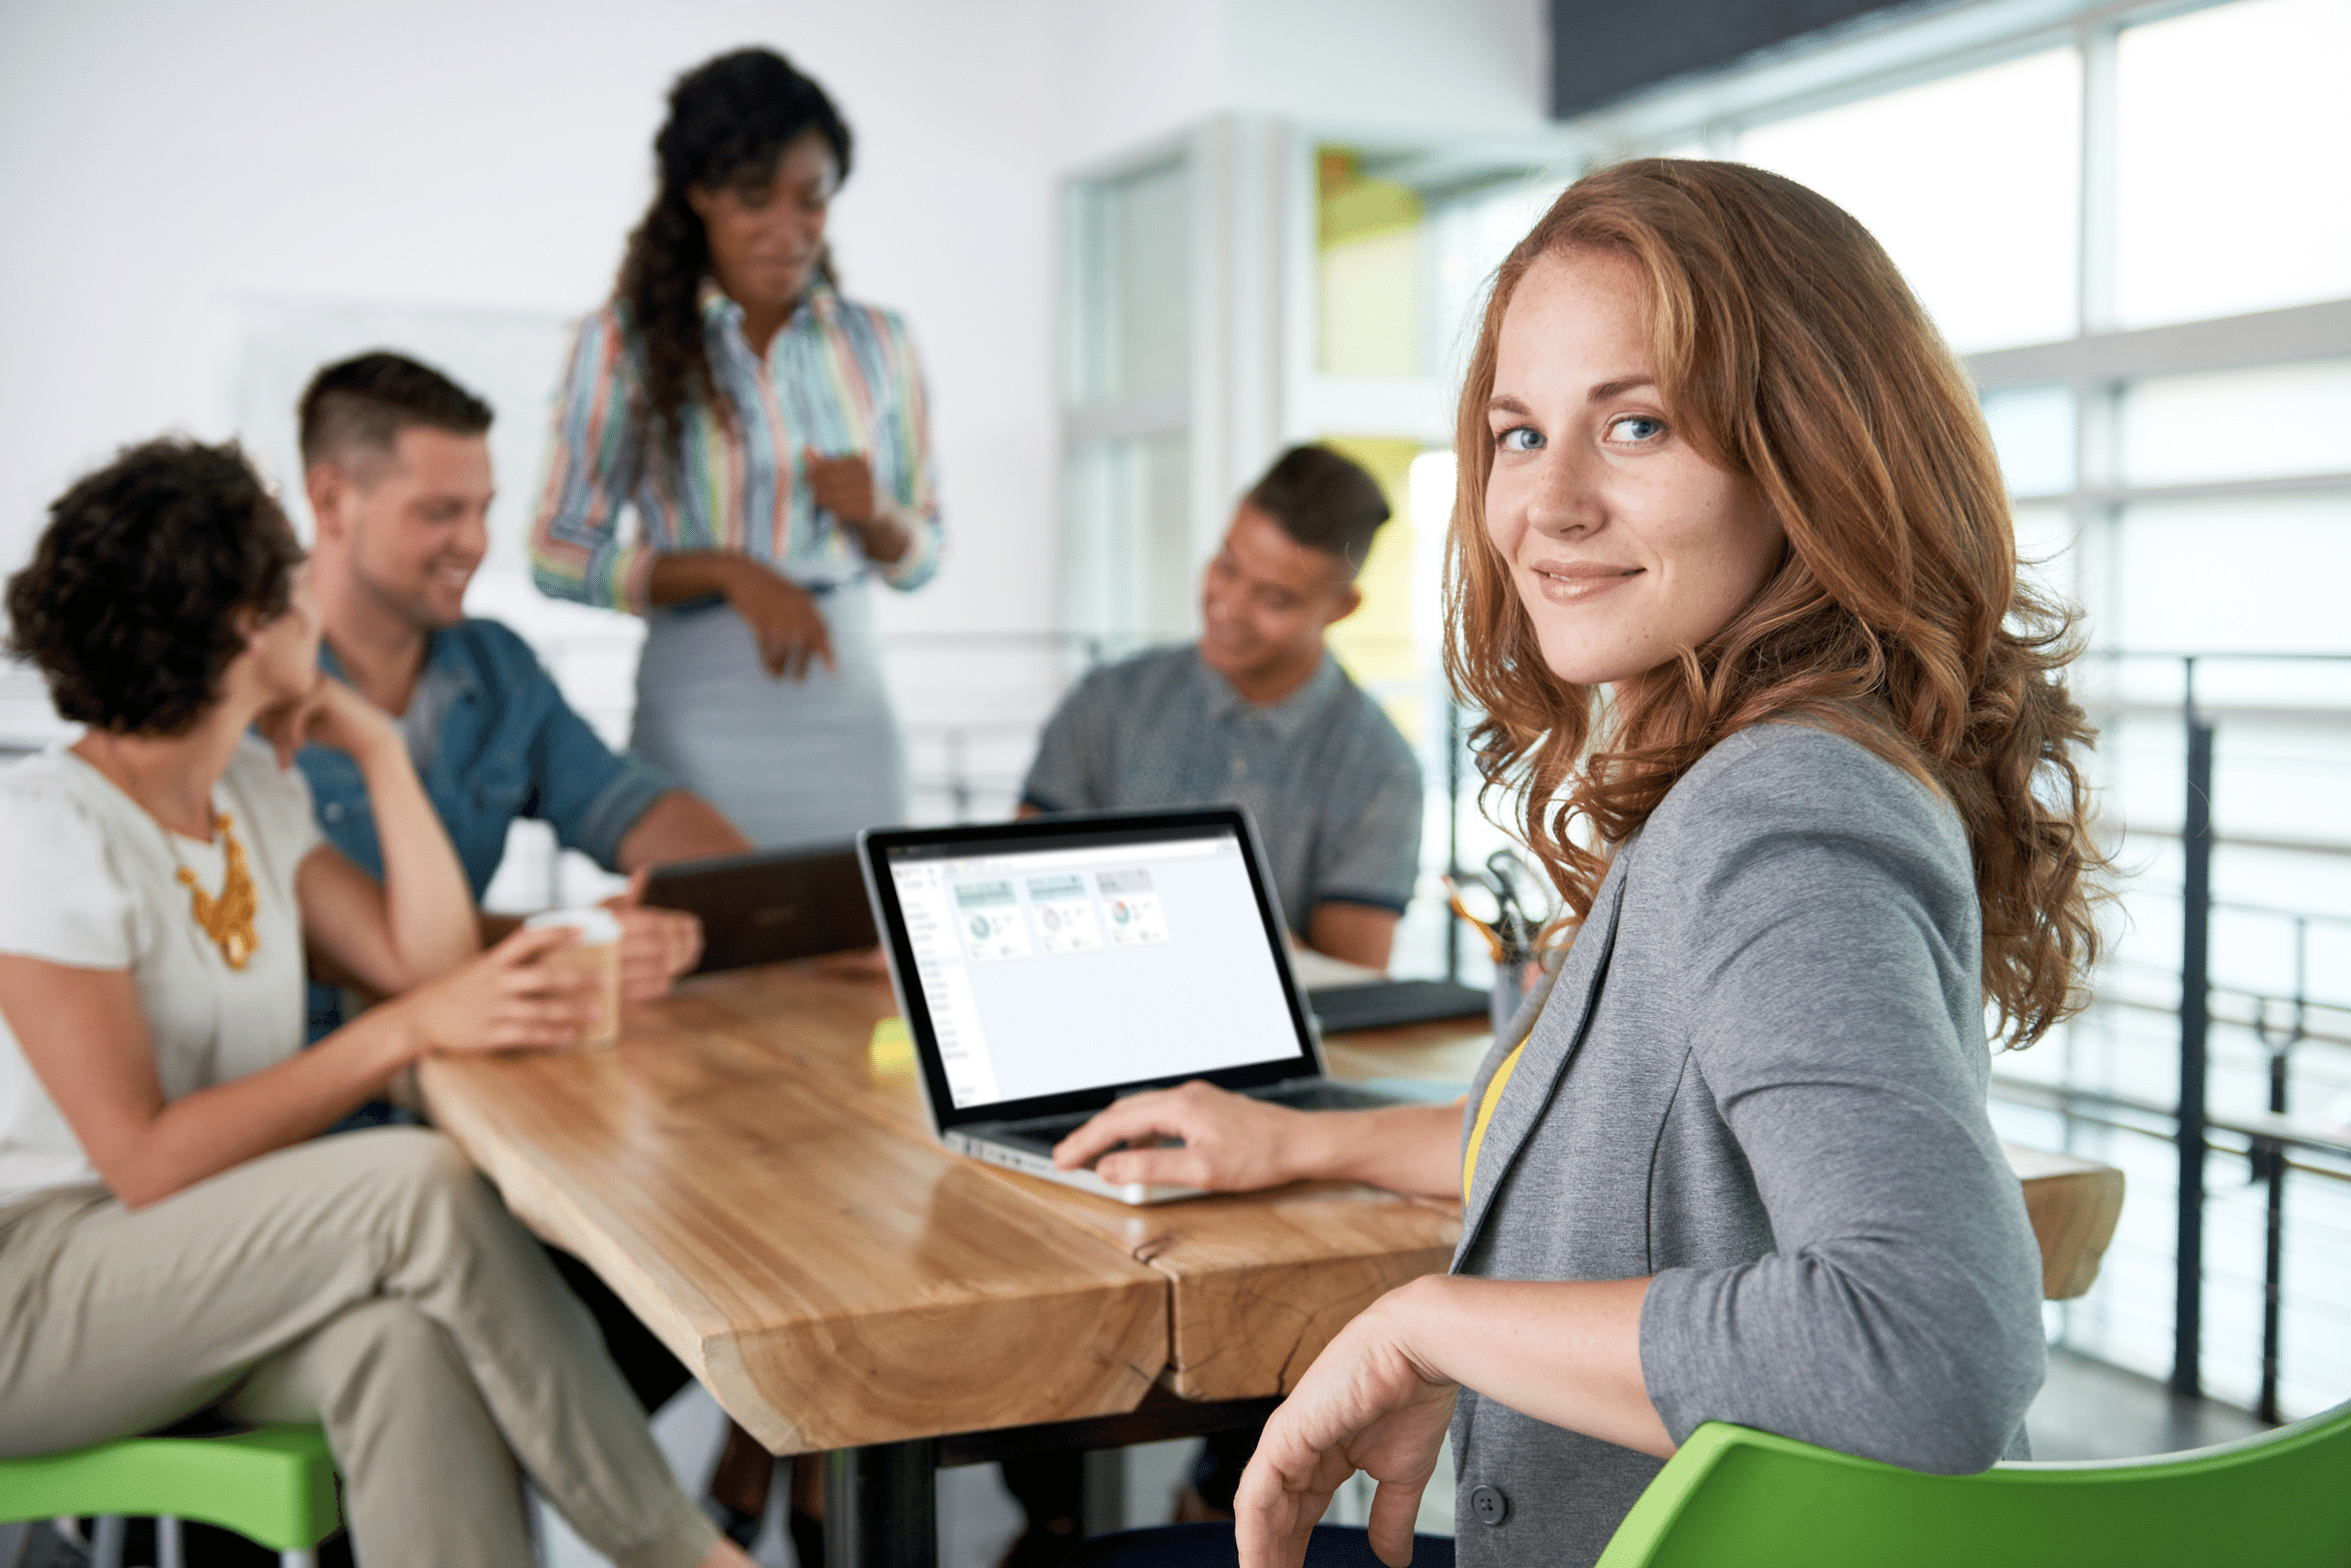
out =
column 372, row 1282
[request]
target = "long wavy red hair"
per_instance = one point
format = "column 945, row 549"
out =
column 1790, row 350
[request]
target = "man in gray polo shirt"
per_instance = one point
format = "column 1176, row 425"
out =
column 1258, row 712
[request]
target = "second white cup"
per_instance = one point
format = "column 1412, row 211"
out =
column 597, row 955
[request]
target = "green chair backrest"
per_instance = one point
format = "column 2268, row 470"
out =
column 274, row 1485
column 1737, row 1496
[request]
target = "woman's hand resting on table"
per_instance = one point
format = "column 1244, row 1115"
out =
column 1368, row 1404
column 1230, row 1143
column 507, row 999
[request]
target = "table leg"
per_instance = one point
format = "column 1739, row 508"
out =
column 1104, row 1505
column 882, row 1506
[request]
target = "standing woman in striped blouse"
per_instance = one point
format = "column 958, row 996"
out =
column 771, row 438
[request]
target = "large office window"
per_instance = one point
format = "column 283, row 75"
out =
column 2130, row 232
column 2128, row 222
column 2232, row 151
column 1971, row 183
column 1126, row 478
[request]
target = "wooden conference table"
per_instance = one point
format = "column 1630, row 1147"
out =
column 772, row 1205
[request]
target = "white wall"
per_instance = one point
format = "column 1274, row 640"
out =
column 165, row 163
column 1455, row 65
column 1129, row 71
column 204, row 200
column 168, row 163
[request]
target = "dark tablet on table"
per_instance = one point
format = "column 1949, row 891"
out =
column 770, row 904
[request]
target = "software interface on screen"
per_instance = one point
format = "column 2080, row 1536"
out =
column 1072, row 966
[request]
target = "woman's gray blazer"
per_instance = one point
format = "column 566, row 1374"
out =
column 1760, row 1078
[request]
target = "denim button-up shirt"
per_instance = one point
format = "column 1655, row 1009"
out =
column 505, row 744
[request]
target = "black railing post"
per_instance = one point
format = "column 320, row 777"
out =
column 2274, row 1256
column 2195, row 841
column 2269, row 1167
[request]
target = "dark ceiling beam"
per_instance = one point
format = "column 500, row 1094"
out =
column 1603, row 51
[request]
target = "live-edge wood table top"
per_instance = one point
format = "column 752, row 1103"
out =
column 782, row 1219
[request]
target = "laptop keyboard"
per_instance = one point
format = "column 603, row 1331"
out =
column 1043, row 1133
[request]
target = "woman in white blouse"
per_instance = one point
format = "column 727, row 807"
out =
column 171, row 1236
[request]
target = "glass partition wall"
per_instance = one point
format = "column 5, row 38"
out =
column 1127, row 521
column 2127, row 220
column 1317, row 279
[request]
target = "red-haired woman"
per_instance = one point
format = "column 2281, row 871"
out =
column 1733, row 579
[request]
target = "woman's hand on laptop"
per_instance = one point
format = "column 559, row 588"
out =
column 1233, row 1144
column 1229, row 1143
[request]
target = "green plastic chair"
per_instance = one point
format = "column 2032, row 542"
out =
column 1734, row 1496
column 274, row 1485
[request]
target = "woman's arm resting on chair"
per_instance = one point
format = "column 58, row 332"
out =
column 1379, row 1397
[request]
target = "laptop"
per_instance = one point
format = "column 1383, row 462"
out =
column 1046, row 967
column 768, row 905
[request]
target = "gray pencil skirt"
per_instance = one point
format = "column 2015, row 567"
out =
column 788, row 762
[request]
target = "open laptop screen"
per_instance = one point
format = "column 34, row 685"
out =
column 1059, row 957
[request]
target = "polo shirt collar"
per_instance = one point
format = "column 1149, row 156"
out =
column 1285, row 718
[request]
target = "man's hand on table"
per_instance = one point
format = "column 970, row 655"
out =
column 656, row 945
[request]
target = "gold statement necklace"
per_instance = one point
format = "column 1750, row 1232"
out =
column 229, row 919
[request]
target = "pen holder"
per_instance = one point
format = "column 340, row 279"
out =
column 1510, row 990
column 1520, row 990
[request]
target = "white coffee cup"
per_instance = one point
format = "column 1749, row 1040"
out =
column 597, row 955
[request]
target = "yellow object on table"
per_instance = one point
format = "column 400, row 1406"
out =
column 890, row 1054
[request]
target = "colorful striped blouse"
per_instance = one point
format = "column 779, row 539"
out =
column 840, row 378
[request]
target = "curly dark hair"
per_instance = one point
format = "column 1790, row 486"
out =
column 730, row 120
column 129, row 605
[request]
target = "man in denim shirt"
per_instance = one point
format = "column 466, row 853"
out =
column 396, row 467
column 398, row 471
